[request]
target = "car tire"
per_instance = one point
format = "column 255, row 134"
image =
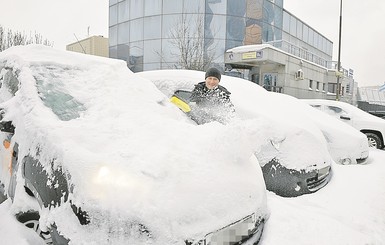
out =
column 31, row 220
column 374, row 140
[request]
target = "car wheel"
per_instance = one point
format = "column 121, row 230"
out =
column 31, row 220
column 374, row 140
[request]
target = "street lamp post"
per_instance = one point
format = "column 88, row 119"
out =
column 339, row 56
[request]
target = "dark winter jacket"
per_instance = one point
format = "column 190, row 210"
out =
column 211, row 104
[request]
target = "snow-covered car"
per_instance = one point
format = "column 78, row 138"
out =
column 346, row 144
column 373, row 127
column 94, row 154
column 293, row 154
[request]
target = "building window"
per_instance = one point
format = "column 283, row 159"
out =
column 310, row 84
column 323, row 87
column 332, row 88
column 348, row 89
column 317, row 86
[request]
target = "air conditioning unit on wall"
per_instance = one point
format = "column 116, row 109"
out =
column 299, row 75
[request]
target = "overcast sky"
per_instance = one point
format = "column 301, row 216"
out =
column 363, row 31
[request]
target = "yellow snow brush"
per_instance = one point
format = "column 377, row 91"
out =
column 180, row 103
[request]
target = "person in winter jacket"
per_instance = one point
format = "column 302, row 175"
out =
column 211, row 101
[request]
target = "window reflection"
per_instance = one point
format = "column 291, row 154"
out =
column 123, row 33
column 236, row 8
column 153, row 27
column 170, row 53
column 235, row 28
column 152, row 51
column 113, row 36
column 216, row 26
column 216, row 6
column 136, row 56
column 136, row 9
column 113, row 52
column 169, row 23
column 152, row 7
column 172, row 6
column 136, row 30
column 113, row 16
column 194, row 6
column 123, row 14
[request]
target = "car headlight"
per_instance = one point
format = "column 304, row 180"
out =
column 109, row 182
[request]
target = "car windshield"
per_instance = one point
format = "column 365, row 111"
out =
column 51, row 89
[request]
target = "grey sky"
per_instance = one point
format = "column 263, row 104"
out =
column 363, row 32
column 56, row 20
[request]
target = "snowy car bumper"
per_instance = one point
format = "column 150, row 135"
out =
column 290, row 183
column 248, row 229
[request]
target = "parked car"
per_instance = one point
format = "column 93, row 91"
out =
column 373, row 127
column 293, row 154
column 346, row 144
column 94, row 154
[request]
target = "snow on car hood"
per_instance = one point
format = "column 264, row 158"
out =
column 291, row 138
column 127, row 148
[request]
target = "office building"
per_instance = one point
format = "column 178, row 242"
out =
column 167, row 34
column 95, row 45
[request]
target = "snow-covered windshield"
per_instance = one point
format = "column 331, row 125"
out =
column 50, row 85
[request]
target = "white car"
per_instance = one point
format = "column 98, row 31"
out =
column 373, row 127
column 346, row 144
column 293, row 153
column 94, row 154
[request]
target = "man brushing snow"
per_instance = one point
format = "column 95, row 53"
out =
column 212, row 101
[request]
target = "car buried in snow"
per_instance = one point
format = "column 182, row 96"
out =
column 93, row 154
column 373, row 127
column 294, row 157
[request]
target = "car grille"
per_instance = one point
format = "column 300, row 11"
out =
column 234, row 234
column 318, row 181
column 361, row 160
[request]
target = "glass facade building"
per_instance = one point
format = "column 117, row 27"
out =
column 142, row 32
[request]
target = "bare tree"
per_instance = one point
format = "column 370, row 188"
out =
column 187, row 36
column 9, row 38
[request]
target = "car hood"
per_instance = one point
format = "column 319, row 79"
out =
column 127, row 149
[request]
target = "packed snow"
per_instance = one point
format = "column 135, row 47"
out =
column 171, row 155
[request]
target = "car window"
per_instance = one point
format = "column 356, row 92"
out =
column 51, row 88
column 9, row 81
column 184, row 95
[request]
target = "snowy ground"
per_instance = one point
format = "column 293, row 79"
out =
column 349, row 210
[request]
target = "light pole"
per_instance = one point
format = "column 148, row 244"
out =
column 339, row 56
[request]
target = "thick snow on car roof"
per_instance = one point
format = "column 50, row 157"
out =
column 127, row 146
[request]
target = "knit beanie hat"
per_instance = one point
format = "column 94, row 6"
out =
column 213, row 72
